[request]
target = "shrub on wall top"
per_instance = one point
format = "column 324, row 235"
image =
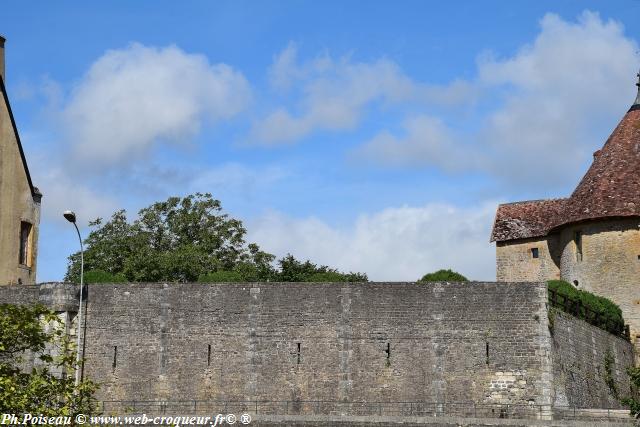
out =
column 100, row 276
column 609, row 315
column 222, row 276
column 443, row 276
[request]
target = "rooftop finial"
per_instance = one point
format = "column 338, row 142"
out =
column 637, row 101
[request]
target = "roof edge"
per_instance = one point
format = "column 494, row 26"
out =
column 553, row 199
column 493, row 237
column 558, row 227
column 531, row 236
column 35, row 193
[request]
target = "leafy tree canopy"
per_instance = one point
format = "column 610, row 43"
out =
column 290, row 270
column 443, row 276
column 176, row 240
column 185, row 240
column 49, row 387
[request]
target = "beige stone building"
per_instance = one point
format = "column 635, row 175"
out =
column 19, row 199
column 590, row 239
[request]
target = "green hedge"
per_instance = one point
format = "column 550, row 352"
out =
column 443, row 276
column 100, row 276
column 236, row 276
column 609, row 314
column 222, row 276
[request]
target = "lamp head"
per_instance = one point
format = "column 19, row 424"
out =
column 70, row 216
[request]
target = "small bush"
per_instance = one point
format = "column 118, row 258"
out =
column 221, row 277
column 328, row 276
column 443, row 276
column 100, row 276
column 609, row 314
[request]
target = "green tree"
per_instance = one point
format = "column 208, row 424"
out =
column 186, row 240
column 293, row 270
column 222, row 276
column 178, row 240
column 443, row 276
column 290, row 270
column 48, row 388
column 100, row 276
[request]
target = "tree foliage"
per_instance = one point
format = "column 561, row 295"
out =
column 186, row 240
column 176, row 240
column 292, row 270
column 289, row 270
column 443, row 276
column 47, row 388
column 100, row 276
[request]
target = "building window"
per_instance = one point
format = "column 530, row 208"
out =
column 25, row 255
column 577, row 238
column 535, row 253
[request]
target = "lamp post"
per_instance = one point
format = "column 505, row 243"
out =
column 71, row 217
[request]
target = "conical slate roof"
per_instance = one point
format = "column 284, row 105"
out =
column 610, row 188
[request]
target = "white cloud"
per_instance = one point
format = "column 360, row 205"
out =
column 285, row 71
column 395, row 244
column 426, row 140
column 335, row 94
column 570, row 86
column 61, row 193
column 134, row 97
column 564, row 92
column 236, row 179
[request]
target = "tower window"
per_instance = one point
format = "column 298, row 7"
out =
column 577, row 239
column 535, row 253
column 25, row 254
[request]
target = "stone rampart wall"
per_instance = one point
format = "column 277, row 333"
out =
column 313, row 341
column 366, row 342
column 586, row 360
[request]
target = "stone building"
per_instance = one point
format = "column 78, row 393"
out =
column 19, row 199
column 590, row 239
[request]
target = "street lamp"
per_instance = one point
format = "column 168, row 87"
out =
column 71, row 217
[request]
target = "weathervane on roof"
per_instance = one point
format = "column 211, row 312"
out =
column 637, row 101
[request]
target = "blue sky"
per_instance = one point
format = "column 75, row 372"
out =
column 369, row 136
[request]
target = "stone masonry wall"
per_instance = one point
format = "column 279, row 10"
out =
column 610, row 264
column 311, row 341
column 579, row 351
column 21, row 295
column 515, row 263
column 374, row 342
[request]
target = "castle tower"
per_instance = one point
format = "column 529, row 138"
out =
column 19, row 199
column 592, row 238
